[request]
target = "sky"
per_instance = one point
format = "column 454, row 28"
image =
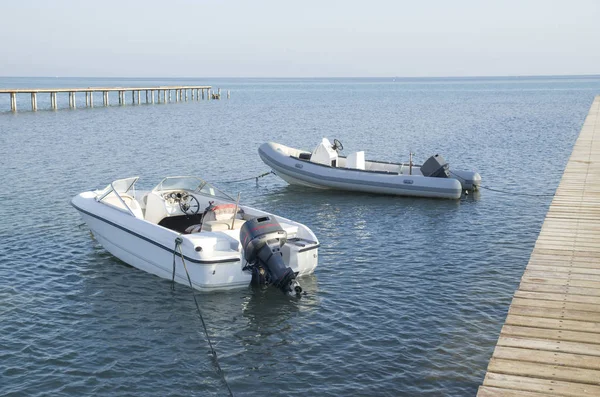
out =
column 302, row 38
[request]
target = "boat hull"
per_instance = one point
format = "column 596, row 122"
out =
column 303, row 172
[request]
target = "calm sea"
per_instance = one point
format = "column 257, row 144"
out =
column 409, row 296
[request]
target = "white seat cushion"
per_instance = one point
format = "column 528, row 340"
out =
column 217, row 226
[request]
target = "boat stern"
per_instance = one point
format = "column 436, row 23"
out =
column 469, row 180
column 276, row 254
column 301, row 255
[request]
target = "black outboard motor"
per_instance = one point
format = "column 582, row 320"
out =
column 262, row 239
column 436, row 167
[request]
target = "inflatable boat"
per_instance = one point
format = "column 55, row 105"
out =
column 325, row 168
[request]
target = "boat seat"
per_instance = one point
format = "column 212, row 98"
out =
column 215, row 226
column 132, row 203
column 356, row 161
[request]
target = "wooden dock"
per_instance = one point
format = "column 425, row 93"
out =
column 550, row 343
column 164, row 94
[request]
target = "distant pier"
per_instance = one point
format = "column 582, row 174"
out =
column 162, row 94
column 550, row 342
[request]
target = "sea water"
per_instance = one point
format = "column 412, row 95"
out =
column 409, row 295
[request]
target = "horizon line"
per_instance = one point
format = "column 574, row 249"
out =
column 309, row 77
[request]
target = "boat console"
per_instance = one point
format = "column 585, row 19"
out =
column 325, row 153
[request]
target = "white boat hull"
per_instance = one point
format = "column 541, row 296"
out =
column 285, row 162
column 151, row 248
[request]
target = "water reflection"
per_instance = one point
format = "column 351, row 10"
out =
column 268, row 307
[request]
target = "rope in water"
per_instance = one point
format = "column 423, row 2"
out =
column 178, row 242
column 517, row 194
column 505, row 191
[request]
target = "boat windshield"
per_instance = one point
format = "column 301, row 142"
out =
column 120, row 186
column 119, row 194
column 191, row 184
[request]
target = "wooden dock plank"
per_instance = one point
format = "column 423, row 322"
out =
column 564, row 297
column 560, row 282
column 549, row 386
column 558, row 251
column 561, row 262
column 544, row 371
column 565, row 269
column 547, row 357
column 561, row 275
column 554, row 304
column 550, row 342
column 552, row 323
column 550, row 313
column 549, row 334
column 557, row 346
column 486, row 391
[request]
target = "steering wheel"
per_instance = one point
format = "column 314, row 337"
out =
column 189, row 204
column 337, row 145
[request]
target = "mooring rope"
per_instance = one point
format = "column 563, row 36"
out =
column 247, row 179
column 178, row 242
column 517, row 194
column 505, row 191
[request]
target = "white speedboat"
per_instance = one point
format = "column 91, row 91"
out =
column 187, row 227
column 325, row 168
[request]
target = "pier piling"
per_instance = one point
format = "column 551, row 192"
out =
column 33, row 101
column 72, row 103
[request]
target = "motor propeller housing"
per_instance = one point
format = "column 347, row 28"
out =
column 262, row 238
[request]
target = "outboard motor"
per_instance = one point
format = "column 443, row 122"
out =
column 435, row 167
column 262, row 239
